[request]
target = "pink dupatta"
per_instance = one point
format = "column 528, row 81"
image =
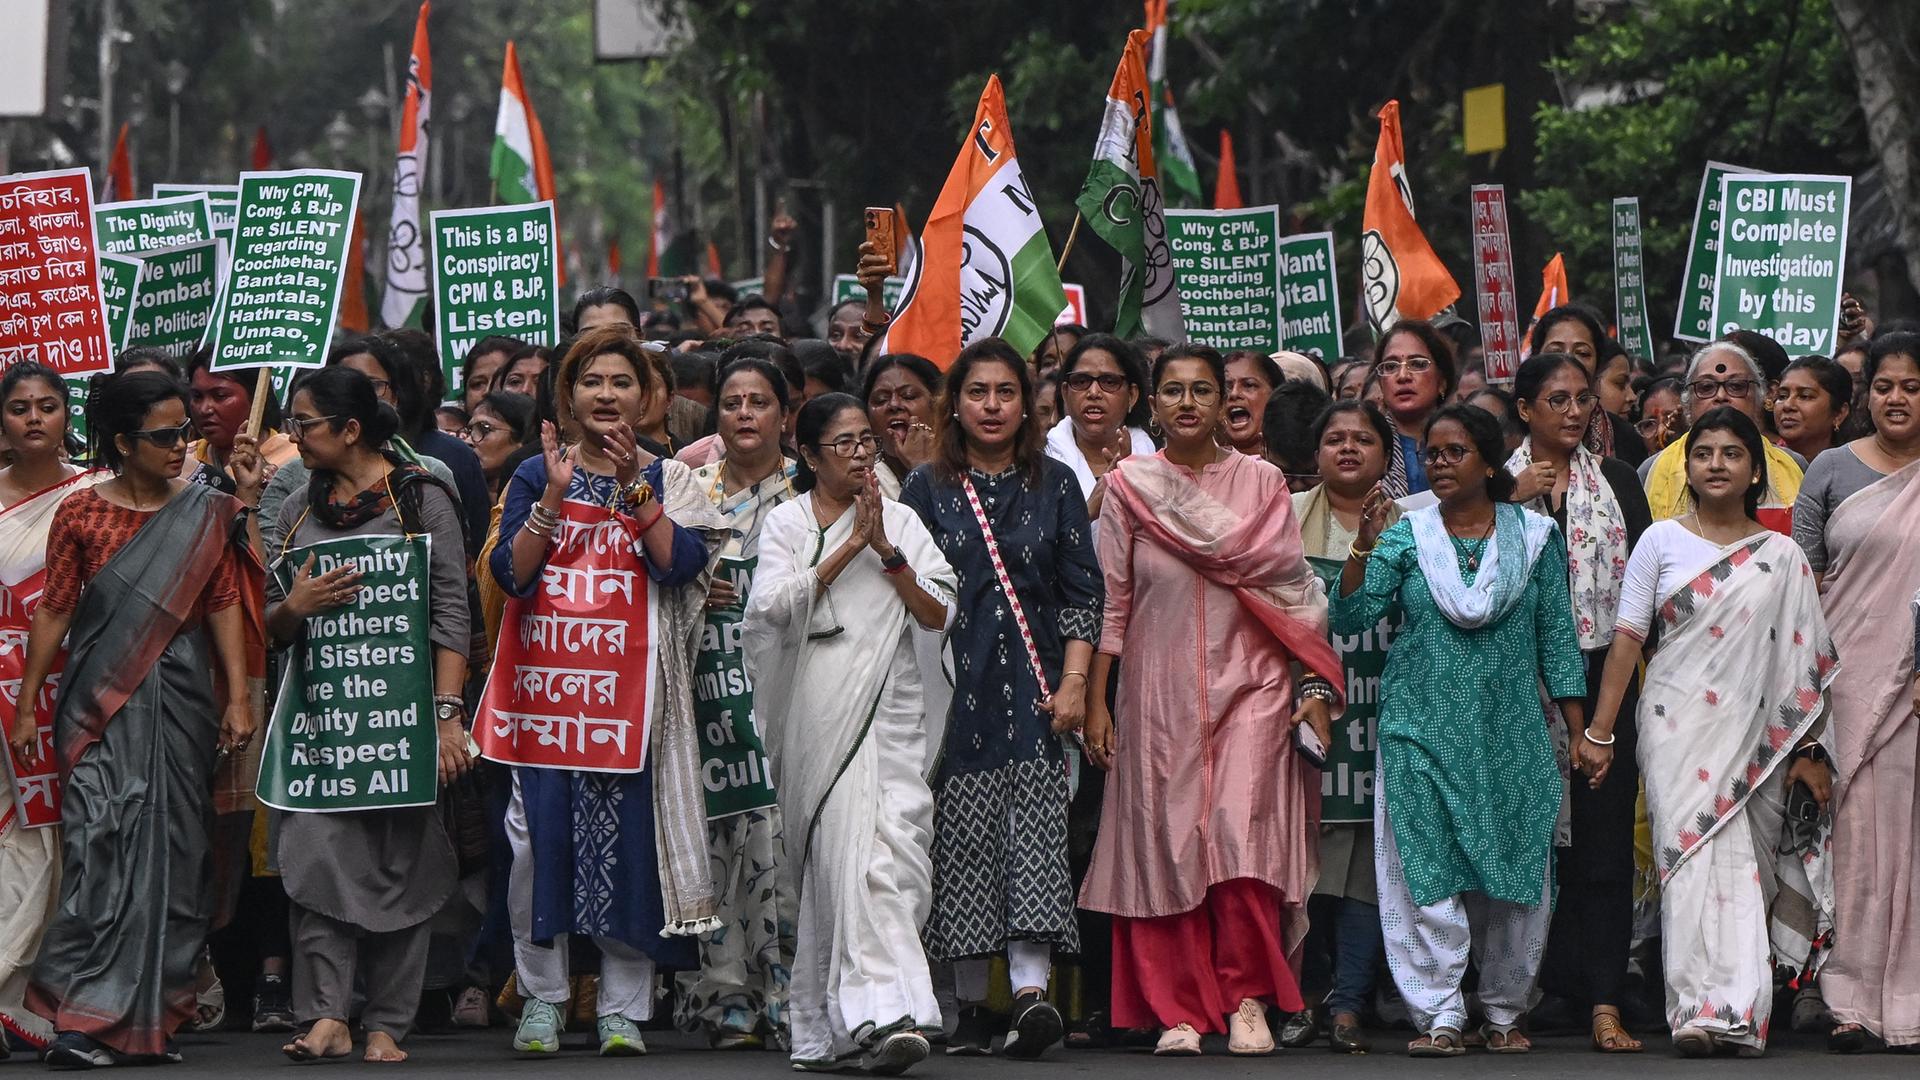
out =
column 1257, row 556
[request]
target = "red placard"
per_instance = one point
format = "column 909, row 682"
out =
column 1493, row 283
column 572, row 676
column 36, row 790
column 51, row 307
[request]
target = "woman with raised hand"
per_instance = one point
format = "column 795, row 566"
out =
column 1413, row 363
column 845, row 578
column 1013, row 524
column 1857, row 519
column 1730, row 742
column 364, row 884
column 34, row 420
column 1205, row 859
column 153, row 692
column 1103, row 383
column 1355, row 450
column 1467, row 791
column 1601, row 511
column 574, row 831
column 738, row 997
column 902, row 392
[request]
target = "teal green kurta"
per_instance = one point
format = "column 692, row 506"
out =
column 1466, row 759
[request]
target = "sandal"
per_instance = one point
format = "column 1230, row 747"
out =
column 209, row 1008
column 1694, row 1042
column 1851, row 1039
column 1438, row 1043
column 1505, row 1039
column 1609, row 1037
column 1089, row 1034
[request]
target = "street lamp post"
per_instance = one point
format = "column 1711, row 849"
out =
column 176, row 75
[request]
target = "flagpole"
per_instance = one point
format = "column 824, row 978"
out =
column 1072, row 235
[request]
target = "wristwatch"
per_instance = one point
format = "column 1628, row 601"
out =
column 638, row 494
column 448, row 707
column 893, row 563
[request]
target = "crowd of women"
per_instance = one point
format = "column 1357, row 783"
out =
column 1119, row 694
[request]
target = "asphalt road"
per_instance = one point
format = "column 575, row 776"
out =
column 473, row 1055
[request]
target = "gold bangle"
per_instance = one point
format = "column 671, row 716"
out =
column 1354, row 551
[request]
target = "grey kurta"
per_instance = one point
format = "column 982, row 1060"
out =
column 379, row 870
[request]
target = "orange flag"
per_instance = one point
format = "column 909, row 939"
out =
column 120, row 170
column 353, row 288
column 1400, row 276
column 1226, row 186
column 1553, row 286
column 262, row 150
column 716, row 269
column 613, row 259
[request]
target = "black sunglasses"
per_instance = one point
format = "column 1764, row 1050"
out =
column 165, row 438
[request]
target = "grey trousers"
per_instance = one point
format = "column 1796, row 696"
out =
column 392, row 967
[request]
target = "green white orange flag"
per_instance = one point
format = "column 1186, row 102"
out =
column 1400, row 276
column 1180, row 179
column 406, row 294
column 1553, row 286
column 521, row 169
column 986, row 268
column 1122, row 203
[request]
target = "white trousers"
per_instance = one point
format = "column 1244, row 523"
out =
column 626, row 973
column 1428, row 945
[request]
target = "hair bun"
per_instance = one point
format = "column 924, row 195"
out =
column 385, row 425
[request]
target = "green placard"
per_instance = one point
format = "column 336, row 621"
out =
column 493, row 273
column 1310, row 296
column 175, row 300
column 754, row 286
column 1783, row 251
column 1227, row 266
column 734, row 769
column 353, row 727
column 847, row 287
column 1694, row 319
column 1346, row 785
column 78, row 387
column 119, row 276
column 126, row 228
column 1629, row 281
column 290, row 254
column 223, row 201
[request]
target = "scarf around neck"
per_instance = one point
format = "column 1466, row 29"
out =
column 1512, row 548
column 1596, row 542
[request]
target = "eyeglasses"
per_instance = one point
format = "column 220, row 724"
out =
column 1415, row 365
column 1565, row 403
column 1706, row 388
column 381, row 387
column 478, row 430
column 1445, row 455
column 1080, row 382
column 166, row 438
column 1201, row 393
column 300, row 425
column 849, row 445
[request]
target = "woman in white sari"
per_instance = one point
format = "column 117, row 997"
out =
column 844, row 575
column 33, row 414
column 1730, row 727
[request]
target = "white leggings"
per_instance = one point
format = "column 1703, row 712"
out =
column 626, row 973
column 1028, row 964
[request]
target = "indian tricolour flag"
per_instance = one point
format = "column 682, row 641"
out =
column 406, row 293
column 521, row 170
column 1122, row 204
column 1170, row 149
column 985, row 267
